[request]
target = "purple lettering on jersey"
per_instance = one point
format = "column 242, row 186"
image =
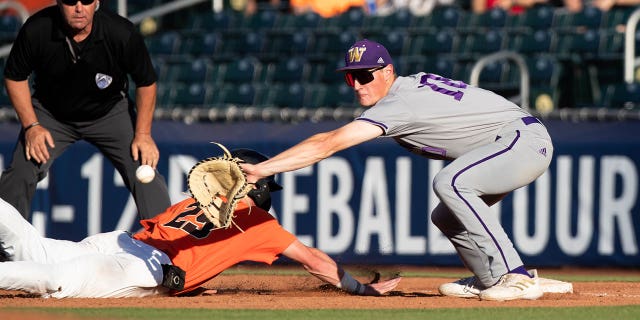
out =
column 457, row 94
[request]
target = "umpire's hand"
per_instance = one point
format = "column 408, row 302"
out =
column 144, row 148
column 36, row 140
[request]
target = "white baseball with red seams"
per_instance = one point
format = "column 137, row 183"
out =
column 145, row 173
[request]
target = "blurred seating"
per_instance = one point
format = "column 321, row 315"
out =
column 285, row 95
column 477, row 43
column 617, row 16
column 190, row 95
column 200, row 44
column 440, row 65
column 608, row 67
column 287, row 70
column 331, row 43
column 588, row 18
column 284, row 43
column 315, row 95
column 351, row 19
column 163, row 44
column 241, row 94
column 544, row 70
column 324, row 70
column 394, row 39
column 306, row 21
column 431, row 42
column 242, row 70
column 490, row 19
column 159, row 65
column 9, row 27
column 494, row 75
column 4, row 96
column 405, row 65
column 398, row 19
column 263, row 20
column 442, row 17
column 622, row 95
column 188, row 71
column 229, row 49
column 164, row 94
column 444, row 66
column 339, row 95
column 544, row 79
column 576, row 44
column 530, row 42
column 238, row 42
column 535, row 18
column 212, row 21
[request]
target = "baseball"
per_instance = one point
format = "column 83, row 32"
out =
column 145, row 173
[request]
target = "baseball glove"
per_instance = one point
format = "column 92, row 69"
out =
column 217, row 184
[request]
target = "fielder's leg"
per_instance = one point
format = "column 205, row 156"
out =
column 500, row 167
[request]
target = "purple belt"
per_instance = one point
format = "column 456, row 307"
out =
column 530, row 119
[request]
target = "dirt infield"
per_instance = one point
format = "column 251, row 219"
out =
column 242, row 291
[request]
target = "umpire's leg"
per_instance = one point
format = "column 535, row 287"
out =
column 113, row 134
column 18, row 182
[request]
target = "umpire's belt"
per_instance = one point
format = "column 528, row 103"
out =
column 530, row 119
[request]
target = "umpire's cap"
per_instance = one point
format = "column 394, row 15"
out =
column 253, row 157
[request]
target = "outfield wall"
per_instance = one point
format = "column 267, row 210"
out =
column 370, row 204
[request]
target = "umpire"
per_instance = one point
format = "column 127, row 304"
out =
column 81, row 57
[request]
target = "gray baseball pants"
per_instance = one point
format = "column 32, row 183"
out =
column 521, row 153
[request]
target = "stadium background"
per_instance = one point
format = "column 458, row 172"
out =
column 267, row 81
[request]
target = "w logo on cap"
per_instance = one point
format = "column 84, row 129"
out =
column 356, row 53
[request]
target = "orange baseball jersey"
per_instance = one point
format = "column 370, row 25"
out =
column 187, row 237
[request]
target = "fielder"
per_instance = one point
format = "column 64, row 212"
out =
column 175, row 253
column 494, row 147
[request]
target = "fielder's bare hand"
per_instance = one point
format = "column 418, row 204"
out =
column 252, row 172
column 382, row 287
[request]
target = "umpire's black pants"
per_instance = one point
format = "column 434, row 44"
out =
column 112, row 134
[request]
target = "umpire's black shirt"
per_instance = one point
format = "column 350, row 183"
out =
column 79, row 82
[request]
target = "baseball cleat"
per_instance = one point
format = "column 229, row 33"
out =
column 512, row 286
column 463, row 288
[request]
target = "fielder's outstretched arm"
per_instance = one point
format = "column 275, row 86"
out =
column 324, row 268
column 313, row 149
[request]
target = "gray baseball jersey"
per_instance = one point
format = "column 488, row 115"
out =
column 439, row 117
column 496, row 147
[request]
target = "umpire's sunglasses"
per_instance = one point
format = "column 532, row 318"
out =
column 363, row 76
column 73, row 2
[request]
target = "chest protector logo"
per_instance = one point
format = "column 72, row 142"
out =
column 103, row 80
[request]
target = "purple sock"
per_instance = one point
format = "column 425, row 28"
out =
column 521, row 270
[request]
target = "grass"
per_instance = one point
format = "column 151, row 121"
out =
column 582, row 313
